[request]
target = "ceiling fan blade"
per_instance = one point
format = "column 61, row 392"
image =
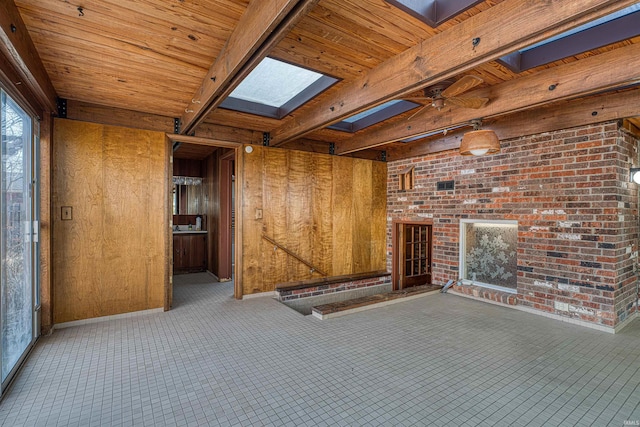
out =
column 419, row 110
column 462, row 85
column 468, row 102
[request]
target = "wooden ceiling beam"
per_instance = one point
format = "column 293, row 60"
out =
column 632, row 124
column 17, row 46
column 558, row 116
column 88, row 112
column 21, row 93
column 228, row 133
column 263, row 25
column 613, row 69
column 315, row 146
column 202, row 141
column 487, row 36
column 95, row 113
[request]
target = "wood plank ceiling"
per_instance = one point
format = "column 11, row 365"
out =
column 151, row 56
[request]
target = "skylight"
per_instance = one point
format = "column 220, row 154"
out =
column 274, row 83
column 618, row 26
column 433, row 133
column 588, row 25
column 374, row 115
column 433, row 12
column 275, row 88
column 371, row 111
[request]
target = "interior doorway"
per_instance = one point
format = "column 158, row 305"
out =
column 219, row 177
column 411, row 259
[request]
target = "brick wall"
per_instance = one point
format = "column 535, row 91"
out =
column 325, row 289
column 576, row 210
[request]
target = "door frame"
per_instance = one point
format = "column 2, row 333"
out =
column 396, row 250
column 238, row 150
column 225, row 263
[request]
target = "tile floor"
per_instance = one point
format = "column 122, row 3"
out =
column 438, row 360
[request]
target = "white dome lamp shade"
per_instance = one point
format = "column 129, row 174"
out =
column 634, row 175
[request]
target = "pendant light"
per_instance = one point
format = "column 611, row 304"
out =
column 479, row 142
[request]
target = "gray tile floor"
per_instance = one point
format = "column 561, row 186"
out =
column 437, row 360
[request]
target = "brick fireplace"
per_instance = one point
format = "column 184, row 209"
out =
column 576, row 213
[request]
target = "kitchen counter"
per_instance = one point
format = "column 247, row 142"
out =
column 190, row 232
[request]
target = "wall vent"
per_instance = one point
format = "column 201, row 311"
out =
column 445, row 185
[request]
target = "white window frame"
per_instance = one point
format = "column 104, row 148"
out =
column 462, row 253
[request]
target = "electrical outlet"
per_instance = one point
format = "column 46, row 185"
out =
column 67, row 213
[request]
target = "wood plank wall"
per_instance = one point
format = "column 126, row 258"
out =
column 111, row 257
column 187, row 167
column 328, row 210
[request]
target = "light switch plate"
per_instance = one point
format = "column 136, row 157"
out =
column 67, row 213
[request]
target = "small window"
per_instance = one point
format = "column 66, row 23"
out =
column 275, row 88
column 488, row 253
column 406, row 178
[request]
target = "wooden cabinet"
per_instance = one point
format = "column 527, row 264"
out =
column 189, row 252
column 178, row 252
column 195, row 253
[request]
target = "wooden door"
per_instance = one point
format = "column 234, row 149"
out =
column 178, row 252
column 415, row 259
column 196, row 252
column 189, row 253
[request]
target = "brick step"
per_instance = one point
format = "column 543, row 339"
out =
column 325, row 281
column 340, row 308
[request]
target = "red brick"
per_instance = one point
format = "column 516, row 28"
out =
column 574, row 174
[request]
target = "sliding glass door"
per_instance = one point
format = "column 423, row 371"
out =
column 17, row 236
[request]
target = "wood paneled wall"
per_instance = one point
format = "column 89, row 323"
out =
column 328, row 210
column 187, row 167
column 111, row 257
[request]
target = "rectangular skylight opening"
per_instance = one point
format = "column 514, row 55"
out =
column 374, row 115
column 433, row 12
column 275, row 88
column 613, row 28
column 370, row 111
column 274, row 83
column 619, row 14
column 433, row 133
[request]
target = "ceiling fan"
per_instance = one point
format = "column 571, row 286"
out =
column 447, row 91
